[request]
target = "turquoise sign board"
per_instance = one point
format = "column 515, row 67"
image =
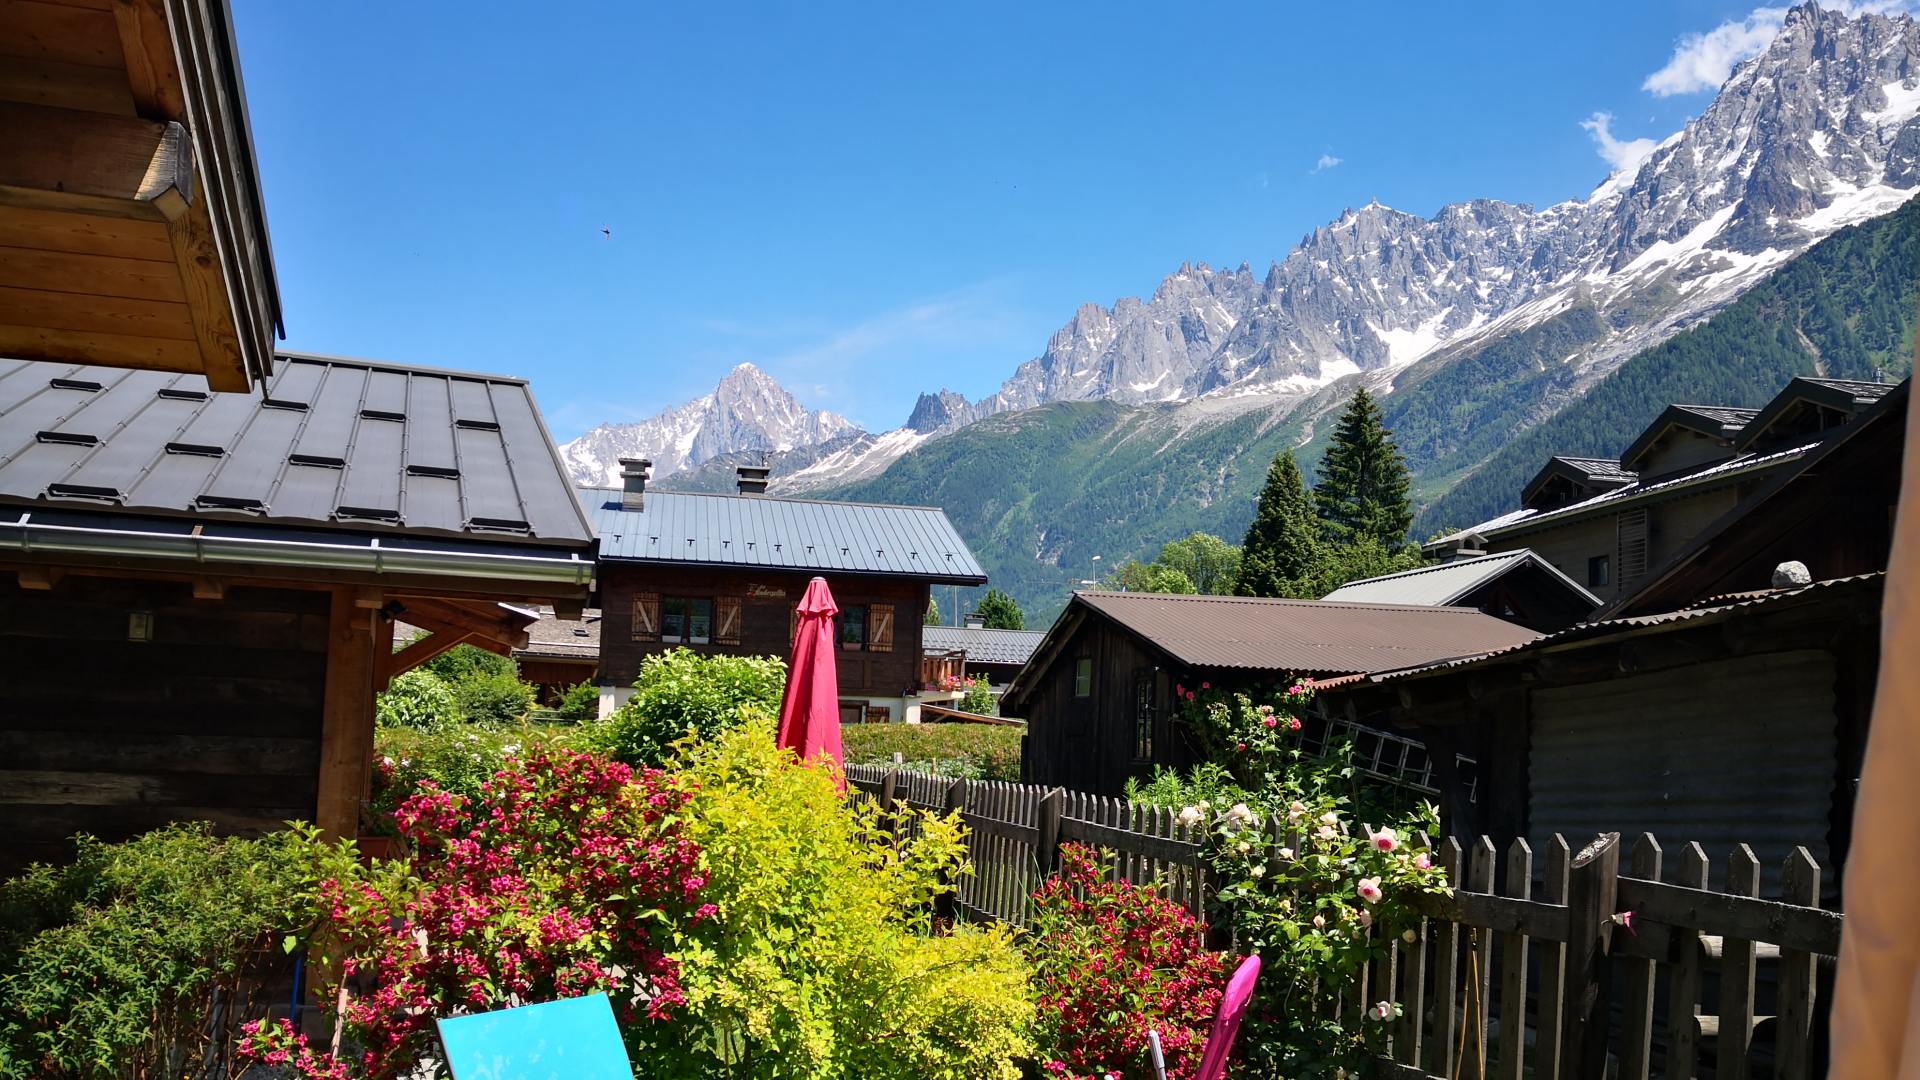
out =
column 574, row 1039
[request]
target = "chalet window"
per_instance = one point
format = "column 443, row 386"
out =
column 1143, row 714
column 1083, row 677
column 726, row 620
column 646, row 617
column 688, row 620
column 880, row 628
column 1599, row 570
column 853, row 627
column 879, row 714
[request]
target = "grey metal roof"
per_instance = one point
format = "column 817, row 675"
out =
column 786, row 534
column 1447, row 583
column 1599, row 468
column 982, row 646
column 365, row 445
column 1302, row 636
column 1727, row 416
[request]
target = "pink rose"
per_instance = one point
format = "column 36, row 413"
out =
column 1369, row 889
column 1384, row 840
column 1294, row 724
column 1270, row 722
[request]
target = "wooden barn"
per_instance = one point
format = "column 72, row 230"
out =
column 198, row 591
column 1098, row 693
column 722, row 573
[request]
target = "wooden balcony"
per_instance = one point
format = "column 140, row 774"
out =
column 943, row 672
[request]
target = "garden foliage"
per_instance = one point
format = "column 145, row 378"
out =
column 820, row 961
column 110, row 965
column 973, row 751
column 419, row 700
column 681, row 693
column 1111, row 960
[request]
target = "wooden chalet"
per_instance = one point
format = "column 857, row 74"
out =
column 722, row 573
column 198, row 591
column 994, row 655
column 1607, row 523
column 1726, row 701
column 1098, row 693
column 560, row 653
column 132, row 232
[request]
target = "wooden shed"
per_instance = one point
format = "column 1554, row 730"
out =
column 198, row 591
column 1098, row 693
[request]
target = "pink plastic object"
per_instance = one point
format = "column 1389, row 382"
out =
column 810, row 709
column 1226, row 1023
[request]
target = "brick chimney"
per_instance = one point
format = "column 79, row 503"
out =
column 752, row 479
column 633, row 482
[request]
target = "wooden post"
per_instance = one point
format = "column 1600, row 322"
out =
column 889, row 785
column 1683, row 987
column 346, row 727
column 1446, row 977
column 1793, row 1058
column 1513, row 969
column 944, row 906
column 1551, row 1010
column 1636, row 1040
column 1737, row 957
column 1590, row 907
column 1052, row 808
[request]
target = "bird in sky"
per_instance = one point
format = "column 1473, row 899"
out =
column 606, row 232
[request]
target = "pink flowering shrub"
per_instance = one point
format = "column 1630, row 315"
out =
column 554, row 882
column 1112, row 960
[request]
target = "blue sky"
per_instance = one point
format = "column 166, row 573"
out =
column 873, row 200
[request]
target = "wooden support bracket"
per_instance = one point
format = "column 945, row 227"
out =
column 120, row 166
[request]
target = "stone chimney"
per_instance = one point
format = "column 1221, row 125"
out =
column 975, row 621
column 1466, row 545
column 633, row 482
column 752, row 479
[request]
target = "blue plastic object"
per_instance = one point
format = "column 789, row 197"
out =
column 575, row 1039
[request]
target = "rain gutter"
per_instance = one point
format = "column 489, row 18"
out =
column 30, row 537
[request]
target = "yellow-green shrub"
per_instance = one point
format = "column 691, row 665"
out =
column 821, row 963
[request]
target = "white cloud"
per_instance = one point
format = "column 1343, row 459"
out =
column 1622, row 155
column 1327, row 161
column 1703, row 61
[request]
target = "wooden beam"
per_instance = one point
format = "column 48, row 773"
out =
column 68, row 86
column 85, row 234
column 92, row 275
column 95, row 347
column 207, row 588
column 152, row 74
column 65, row 159
column 70, row 35
column 82, row 313
column 480, row 619
column 419, row 652
column 346, row 727
column 38, row 578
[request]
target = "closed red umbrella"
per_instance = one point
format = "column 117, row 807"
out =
column 810, row 711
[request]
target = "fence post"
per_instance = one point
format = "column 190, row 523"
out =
column 889, row 784
column 1590, row 905
column 944, row 906
column 1052, row 808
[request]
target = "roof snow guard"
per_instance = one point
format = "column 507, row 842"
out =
column 764, row 532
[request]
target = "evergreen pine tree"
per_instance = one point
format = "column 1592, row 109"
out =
column 1362, row 486
column 1282, row 548
column 932, row 617
column 999, row 612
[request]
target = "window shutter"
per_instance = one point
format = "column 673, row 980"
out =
column 726, row 620
column 793, row 625
column 646, row 617
column 880, row 628
column 1632, row 563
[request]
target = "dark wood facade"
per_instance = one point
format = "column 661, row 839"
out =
column 752, row 615
column 1099, row 712
column 217, row 717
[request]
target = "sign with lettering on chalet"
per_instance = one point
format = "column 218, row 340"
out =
column 757, row 591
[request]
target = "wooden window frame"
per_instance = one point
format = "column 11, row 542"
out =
column 1082, row 670
column 1146, row 713
column 686, row 616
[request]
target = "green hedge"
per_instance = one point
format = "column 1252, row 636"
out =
column 976, row 751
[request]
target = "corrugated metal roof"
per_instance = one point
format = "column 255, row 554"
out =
column 1863, row 392
column 1302, row 636
column 1446, row 583
column 1607, row 626
column 789, row 534
column 982, row 646
column 1599, row 468
column 563, row 639
column 360, row 444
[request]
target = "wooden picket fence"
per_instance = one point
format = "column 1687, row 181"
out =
column 1574, row 967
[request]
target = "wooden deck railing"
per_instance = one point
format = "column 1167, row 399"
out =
column 1575, row 967
column 943, row 670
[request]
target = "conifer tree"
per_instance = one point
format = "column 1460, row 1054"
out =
column 1282, row 548
column 1361, row 490
column 999, row 611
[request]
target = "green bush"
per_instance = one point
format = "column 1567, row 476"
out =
column 493, row 698
column 978, row 697
column 821, row 961
column 683, row 692
column 458, row 759
column 580, row 703
column 109, row 965
column 975, row 751
column 417, row 699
